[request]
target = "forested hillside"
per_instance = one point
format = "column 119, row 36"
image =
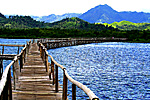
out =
column 126, row 25
column 76, row 23
column 20, row 22
column 26, row 27
column 26, row 22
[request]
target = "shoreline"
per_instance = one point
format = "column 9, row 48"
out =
column 76, row 37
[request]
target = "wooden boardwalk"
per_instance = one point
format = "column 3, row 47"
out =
column 33, row 81
column 52, row 43
column 34, row 78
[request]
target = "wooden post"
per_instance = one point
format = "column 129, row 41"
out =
column 40, row 50
column 53, row 75
column 5, row 91
column 33, row 41
column 24, row 56
column 21, row 62
column 43, row 53
column 17, row 69
column 9, row 85
column 3, row 50
column 56, row 78
column 14, row 75
column 18, row 50
column 1, row 67
column 73, row 92
column 28, row 48
column 46, row 62
column 52, row 65
column 65, row 81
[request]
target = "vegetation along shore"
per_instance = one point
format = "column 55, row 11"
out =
column 27, row 27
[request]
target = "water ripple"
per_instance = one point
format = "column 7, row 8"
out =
column 110, row 70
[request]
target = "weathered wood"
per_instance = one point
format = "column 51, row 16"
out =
column 21, row 62
column 7, row 56
column 53, row 61
column 18, row 50
column 53, row 75
column 81, row 86
column 5, row 76
column 33, row 81
column 14, row 76
column 1, row 68
column 3, row 50
column 12, row 45
column 56, row 78
column 65, row 82
column 91, row 95
column 9, row 85
column 73, row 92
column 51, row 43
column 5, row 83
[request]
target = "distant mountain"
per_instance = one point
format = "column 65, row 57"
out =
column 101, row 13
column 54, row 18
column 105, row 14
column 26, row 22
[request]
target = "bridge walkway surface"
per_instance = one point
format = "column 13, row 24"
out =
column 33, row 82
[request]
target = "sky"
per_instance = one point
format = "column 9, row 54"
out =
column 59, row 7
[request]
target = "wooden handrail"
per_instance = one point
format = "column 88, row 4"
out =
column 4, row 76
column 91, row 95
column 12, row 45
column 5, row 82
column 59, row 65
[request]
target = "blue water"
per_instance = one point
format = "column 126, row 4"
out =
column 110, row 70
column 11, row 50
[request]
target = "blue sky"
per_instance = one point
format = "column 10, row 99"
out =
column 47, row 7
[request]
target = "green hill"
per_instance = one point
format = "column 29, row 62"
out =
column 126, row 25
column 76, row 23
column 20, row 22
column 26, row 22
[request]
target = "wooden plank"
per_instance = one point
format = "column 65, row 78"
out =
column 7, row 56
column 12, row 45
column 33, row 82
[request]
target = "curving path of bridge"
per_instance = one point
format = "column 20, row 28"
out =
column 33, row 81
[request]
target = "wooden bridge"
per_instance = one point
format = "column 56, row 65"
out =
column 51, row 43
column 34, row 78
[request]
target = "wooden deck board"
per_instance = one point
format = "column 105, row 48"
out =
column 33, row 82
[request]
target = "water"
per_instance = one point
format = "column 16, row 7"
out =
column 11, row 50
column 110, row 70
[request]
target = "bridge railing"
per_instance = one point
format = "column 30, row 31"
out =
column 5, row 82
column 53, row 74
column 51, row 43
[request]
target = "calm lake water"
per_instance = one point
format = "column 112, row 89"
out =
column 110, row 70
